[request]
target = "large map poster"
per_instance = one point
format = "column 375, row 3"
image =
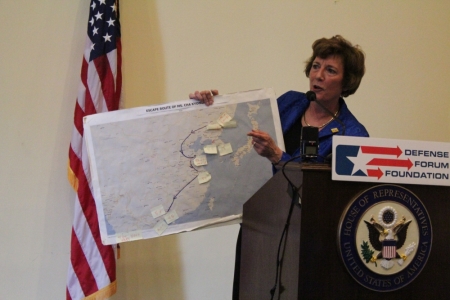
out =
column 178, row 166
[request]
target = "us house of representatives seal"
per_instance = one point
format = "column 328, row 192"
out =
column 385, row 237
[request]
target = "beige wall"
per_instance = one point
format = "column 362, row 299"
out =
column 172, row 47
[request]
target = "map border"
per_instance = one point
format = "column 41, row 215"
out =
column 159, row 110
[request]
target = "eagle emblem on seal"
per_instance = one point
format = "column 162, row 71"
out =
column 387, row 235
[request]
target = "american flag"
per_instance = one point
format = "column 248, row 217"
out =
column 92, row 268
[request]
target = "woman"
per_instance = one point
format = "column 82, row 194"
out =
column 335, row 70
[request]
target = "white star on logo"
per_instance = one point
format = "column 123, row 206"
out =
column 107, row 37
column 93, row 5
column 114, row 7
column 360, row 162
column 102, row 1
column 95, row 31
column 92, row 21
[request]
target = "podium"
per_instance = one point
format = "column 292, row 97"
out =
column 312, row 267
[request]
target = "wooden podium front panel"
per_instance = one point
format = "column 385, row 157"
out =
column 312, row 267
column 322, row 274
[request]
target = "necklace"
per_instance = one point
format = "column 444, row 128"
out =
column 324, row 124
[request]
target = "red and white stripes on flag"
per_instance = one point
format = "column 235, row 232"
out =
column 92, row 268
column 389, row 249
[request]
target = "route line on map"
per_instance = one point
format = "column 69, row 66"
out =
column 191, row 166
column 190, row 161
column 175, row 197
column 192, row 132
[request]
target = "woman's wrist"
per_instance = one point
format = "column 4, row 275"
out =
column 275, row 159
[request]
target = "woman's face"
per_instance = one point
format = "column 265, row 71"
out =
column 325, row 78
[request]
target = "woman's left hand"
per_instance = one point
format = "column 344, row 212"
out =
column 265, row 146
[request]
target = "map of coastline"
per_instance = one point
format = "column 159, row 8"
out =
column 145, row 177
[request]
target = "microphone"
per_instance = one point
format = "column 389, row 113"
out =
column 311, row 96
column 309, row 142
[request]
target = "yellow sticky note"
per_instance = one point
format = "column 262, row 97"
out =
column 230, row 124
column 210, row 149
column 160, row 227
column 203, row 177
column 171, row 216
column 225, row 149
column 129, row 236
column 200, row 160
column 224, row 118
column 158, row 211
column 213, row 126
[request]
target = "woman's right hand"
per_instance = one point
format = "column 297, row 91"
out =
column 206, row 97
column 265, row 146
